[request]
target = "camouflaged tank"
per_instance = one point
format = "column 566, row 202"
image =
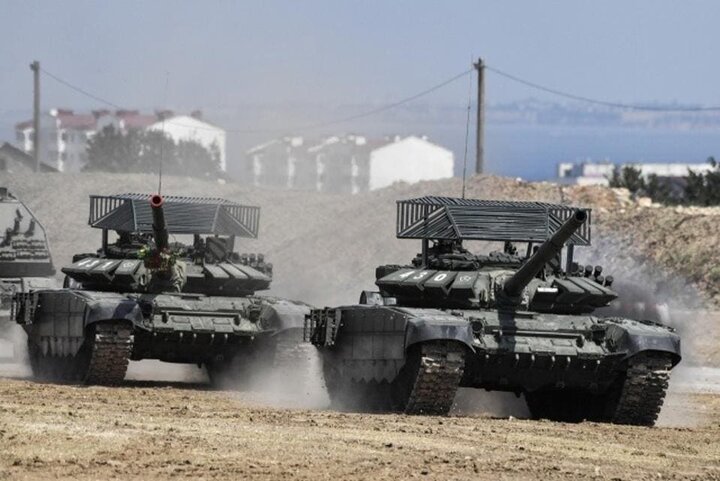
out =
column 144, row 297
column 25, row 261
column 503, row 321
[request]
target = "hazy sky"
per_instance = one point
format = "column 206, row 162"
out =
column 221, row 53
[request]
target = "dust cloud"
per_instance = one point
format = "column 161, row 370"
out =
column 293, row 385
column 14, row 360
column 651, row 293
column 158, row 371
column 288, row 379
column 296, row 384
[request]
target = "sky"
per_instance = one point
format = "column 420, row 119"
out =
column 329, row 52
column 283, row 64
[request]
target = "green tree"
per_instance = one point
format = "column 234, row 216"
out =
column 628, row 177
column 143, row 151
column 194, row 159
column 158, row 147
column 704, row 188
column 659, row 190
column 112, row 151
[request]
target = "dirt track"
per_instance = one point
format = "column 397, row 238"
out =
column 168, row 431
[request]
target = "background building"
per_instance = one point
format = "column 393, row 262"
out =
column 346, row 163
column 63, row 138
column 600, row 173
column 411, row 159
column 14, row 160
column 64, row 134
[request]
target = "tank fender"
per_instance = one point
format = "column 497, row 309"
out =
column 634, row 337
column 423, row 326
column 118, row 309
column 57, row 319
column 281, row 314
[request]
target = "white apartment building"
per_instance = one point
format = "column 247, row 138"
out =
column 346, row 163
column 411, row 160
column 63, row 138
column 64, row 134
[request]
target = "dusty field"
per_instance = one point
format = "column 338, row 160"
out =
column 169, row 431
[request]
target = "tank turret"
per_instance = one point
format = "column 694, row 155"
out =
column 24, row 249
column 548, row 250
column 142, row 258
column 447, row 275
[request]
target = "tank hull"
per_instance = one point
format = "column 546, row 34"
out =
column 520, row 352
column 181, row 328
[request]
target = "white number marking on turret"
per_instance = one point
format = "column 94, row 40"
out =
column 420, row 275
column 465, row 278
column 89, row 262
column 107, row 264
column 406, row 274
column 127, row 265
column 440, row 277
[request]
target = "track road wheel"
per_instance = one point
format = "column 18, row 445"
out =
column 639, row 396
column 636, row 397
column 108, row 353
column 102, row 359
column 430, row 378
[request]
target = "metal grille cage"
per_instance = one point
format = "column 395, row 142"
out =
column 184, row 215
column 451, row 218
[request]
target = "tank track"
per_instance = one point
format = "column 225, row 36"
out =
column 635, row 398
column 438, row 377
column 427, row 383
column 102, row 359
column 110, row 354
column 643, row 391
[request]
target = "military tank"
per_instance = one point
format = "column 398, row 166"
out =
column 141, row 296
column 25, row 262
column 511, row 321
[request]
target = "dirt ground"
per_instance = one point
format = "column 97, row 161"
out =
column 164, row 430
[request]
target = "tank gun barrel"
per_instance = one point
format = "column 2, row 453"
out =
column 160, row 232
column 547, row 250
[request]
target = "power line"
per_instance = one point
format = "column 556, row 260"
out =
column 389, row 106
column 298, row 128
column 375, row 111
column 79, row 90
column 606, row 103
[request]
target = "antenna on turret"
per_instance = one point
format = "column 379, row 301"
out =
column 162, row 129
column 467, row 133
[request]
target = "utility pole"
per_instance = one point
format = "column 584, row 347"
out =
column 35, row 67
column 480, row 132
